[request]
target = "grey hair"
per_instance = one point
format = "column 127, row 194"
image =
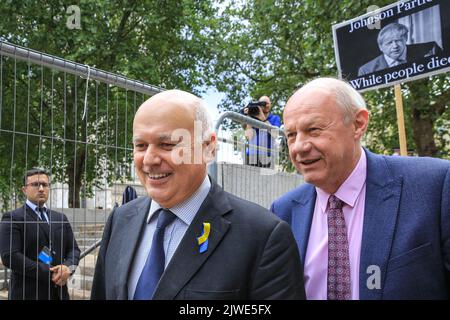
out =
column 390, row 28
column 347, row 98
column 202, row 114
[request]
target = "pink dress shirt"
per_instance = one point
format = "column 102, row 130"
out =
column 353, row 193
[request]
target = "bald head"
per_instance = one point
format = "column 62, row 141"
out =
column 266, row 108
column 344, row 95
column 178, row 103
column 173, row 99
column 265, row 98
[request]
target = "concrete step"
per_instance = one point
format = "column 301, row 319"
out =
column 88, row 228
column 82, row 235
column 89, row 260
column 84, row 248
column 82, row 279
column 85, row 242
column 86, row 270
column 80, row 282
column 3, row 284
column 96, row 233
column 86, row 266
column 88, row 235
column 3, row 273
column 78, row 294
column 3, row 294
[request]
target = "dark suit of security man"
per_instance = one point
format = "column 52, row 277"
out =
column 25, row 232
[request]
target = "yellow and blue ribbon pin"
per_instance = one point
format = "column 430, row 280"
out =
column 203, row 239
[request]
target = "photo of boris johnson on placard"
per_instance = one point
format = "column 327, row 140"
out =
column 404, row 41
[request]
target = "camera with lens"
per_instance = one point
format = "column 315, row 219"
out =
column 253, row 108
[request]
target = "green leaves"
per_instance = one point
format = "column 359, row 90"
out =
column 271, row 47
column 158, row 42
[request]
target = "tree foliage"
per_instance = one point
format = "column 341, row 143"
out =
column 158, row 42
column 243, row 48
column 272, row 47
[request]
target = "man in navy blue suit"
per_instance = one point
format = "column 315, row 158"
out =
column 367, row 226
column 208, row 244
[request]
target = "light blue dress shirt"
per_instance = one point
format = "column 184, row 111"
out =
column 175, row 231
column 35, row 209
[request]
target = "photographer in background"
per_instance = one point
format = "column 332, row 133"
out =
column 260, row 141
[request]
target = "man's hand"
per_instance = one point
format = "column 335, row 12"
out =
column 61, row 273
column 260, row 116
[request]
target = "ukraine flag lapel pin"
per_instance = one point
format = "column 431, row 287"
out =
column 203, row 239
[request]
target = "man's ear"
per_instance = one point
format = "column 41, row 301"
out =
column 361, row 122
column 209, row 150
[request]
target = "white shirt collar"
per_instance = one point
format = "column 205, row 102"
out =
column 34, row 206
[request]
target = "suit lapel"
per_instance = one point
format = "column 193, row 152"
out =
column 187, row 258
column 44, row 230
column 56, row 232
column 380, row 217
column 134, row 221
column 302, row 214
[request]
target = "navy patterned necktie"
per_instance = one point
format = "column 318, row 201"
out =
column 42, row 213
column 338, row 280
column 154, row 266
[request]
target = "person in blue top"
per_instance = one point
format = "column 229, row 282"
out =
column 258, row 152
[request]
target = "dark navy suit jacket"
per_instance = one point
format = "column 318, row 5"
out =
column 406, row 228
column 251, row 254
column 22, row 237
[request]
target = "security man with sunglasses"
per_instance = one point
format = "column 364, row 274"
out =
column 38, row 245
